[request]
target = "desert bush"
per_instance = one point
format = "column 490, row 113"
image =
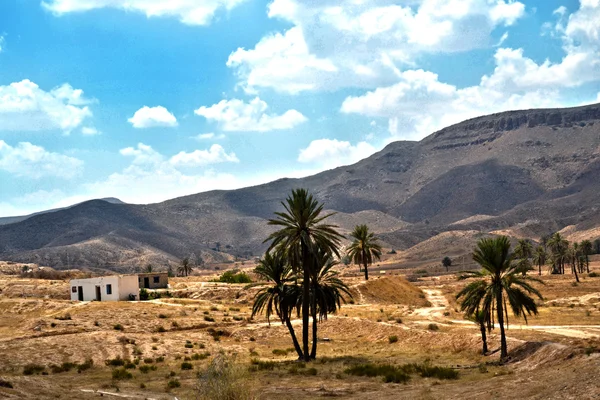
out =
column 115, row 362
column 209, row 318
column 593, row 275
column 66, row 317
column 189, row 346
column 186, row 365
column 263, row 365
column 163, row 316
column 144, row 295
column 200, row 356
column 87, row 364
column 148, row 360
column 64, row 367
column 280, row 352
column 121, row 374
column 223, row 379
column 237, row 318
column 428, row 371
column 31, row 369
column 118, row 327
column 390, row 373
column 236, row 309
column 398, row 320
column 173, row 383
column 433, row 327
column 126, row 340
column 161, row 329
column 144, row 369
column 393, row 339
column 233, row 276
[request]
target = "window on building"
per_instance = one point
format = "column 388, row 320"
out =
column 156, row 279
column 74, row 289
column 109, row 289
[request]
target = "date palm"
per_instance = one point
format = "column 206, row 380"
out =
column 302, row 232
column 539, row 258
column 364, row 248
column 500, row 282
column 186, row 268
column 327, row 292
column 558, row 248
column 471, row 305
column 523, row 251
column 586, row 250
column 281, row 297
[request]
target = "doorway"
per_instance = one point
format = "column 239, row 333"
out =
column 80, row 293
column 147, row 282
column 98, row 294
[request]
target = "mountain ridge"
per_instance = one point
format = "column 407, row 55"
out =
column 529, row 171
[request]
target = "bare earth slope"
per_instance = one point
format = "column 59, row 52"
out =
column 532, row 171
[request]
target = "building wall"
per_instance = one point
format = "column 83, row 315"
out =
column 122, row 286
column 163, row 280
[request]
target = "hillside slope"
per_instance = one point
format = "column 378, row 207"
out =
column 532, row 171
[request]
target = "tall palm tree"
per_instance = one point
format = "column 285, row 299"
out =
column 586, row 249
column 539, row 258
column 282, row 297
column 327, row 292
column 573, row 254
column 558, row 247
column 501, row 282
column 364, row 248
column 471, row 305
column 302, row 233
column 186, row 268
column 523, row 251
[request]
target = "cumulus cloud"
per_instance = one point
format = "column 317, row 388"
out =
column 90, row 131
column 418, row 103
column 331, row 153
column 151, row 117
column 237, row 115
column 362, row 43
column 26, row 107
column 198, row 158
column 2, row 40
column 31, row 161
column 190, row 12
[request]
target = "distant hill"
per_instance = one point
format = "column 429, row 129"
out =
column 527, row 173
column 12, row 220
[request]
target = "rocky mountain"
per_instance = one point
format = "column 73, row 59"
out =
column 525, row 173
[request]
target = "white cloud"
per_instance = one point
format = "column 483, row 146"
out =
column 191, row 12
column 198, row 158
column 361, row 43
column 2, row 41
column 31, row 161
column 209, row 136
column 151, row 117
column 419, row 104
column 90, row 131
column 24, row 106
column 236, row 115
column 331, row 153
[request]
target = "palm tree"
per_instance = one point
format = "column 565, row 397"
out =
column 558, row 247
column 539, row 258
column 501, row 281
column 282, row 297
column 327, row 292
column 186, row 268
column 302, row 233
column 573, row 254
column 447, row 262
column 471, row 305
column 364, row 248
column 586, row 250
column 523, row 251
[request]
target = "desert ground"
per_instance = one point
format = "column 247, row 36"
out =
column 556, row 355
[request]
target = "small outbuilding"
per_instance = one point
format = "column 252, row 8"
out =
column 154, row 280
column 105, row 288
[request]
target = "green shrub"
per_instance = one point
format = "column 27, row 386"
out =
column 236, row 309
column 310, row 371
column 593, row 275
column 64, row 367
column 234, row 276
column 173, row 383
column 237, row 318
column 148, row 360
column 263, row 365
column 393, row 339
column 144, row 295
column 144, row 369
column 130, row 365
column 390, row 373
column 280, row 352
column 160, row 359
column 87, row 364
column 189, row 346
column 200, row 356
column 31, row 369
column 118, row 327
column 121, row 373
column 186, row 366
column 428, row 371
column 115, row 362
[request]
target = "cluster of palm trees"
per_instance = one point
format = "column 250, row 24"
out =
column 299, row 267
column 501, row 284
column 558, row 253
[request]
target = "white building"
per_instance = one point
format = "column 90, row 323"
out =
column 105, row 288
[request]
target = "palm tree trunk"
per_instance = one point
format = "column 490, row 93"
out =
column 366, row 271
column 540, row 268
column 500, row 311
column 305, row 301
column 288, row 323
column 483, row 337
column 575, row 271
column 313, row 353
column 587, row 263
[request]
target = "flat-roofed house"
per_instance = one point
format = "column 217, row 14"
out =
column 105, row 288
column 154, row 280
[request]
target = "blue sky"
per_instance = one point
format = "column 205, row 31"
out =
column 147, row 100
